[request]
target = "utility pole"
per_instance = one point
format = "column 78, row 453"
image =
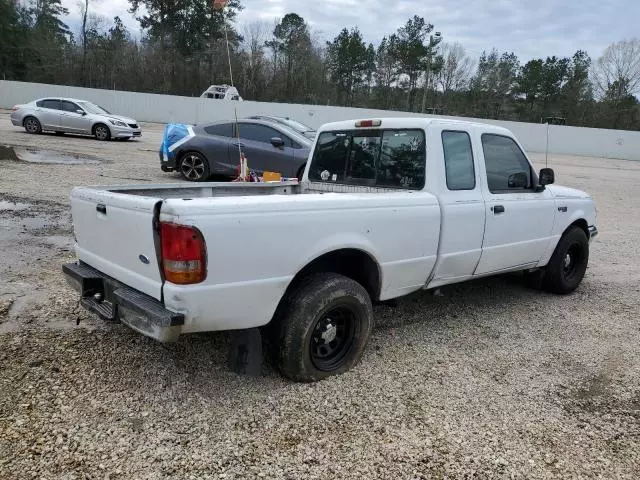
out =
column 434, row 40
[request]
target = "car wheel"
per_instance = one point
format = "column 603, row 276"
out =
column 568, row 263
column 323, row 327
column 194, row 167
column 102, row 132
column 32, row 125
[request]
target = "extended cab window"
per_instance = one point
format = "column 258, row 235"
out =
column 458, row 160
column 382, row 158
column 222, row 130
column 507, row 168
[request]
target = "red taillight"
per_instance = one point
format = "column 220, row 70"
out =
column 368, row 123
column 183, row 254
column 15, row 108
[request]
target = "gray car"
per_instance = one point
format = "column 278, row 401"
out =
column 70, row 115
column 213, row 149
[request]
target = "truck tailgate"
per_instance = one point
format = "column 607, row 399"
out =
column 115, row 235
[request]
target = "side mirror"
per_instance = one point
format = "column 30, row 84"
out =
column 81, row 112
column 547, row 176
column 277, row 142
column 518, row 180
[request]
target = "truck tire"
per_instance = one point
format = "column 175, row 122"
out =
column 322, row 327
column 568, row 263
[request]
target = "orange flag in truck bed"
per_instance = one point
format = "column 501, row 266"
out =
column 219, row 4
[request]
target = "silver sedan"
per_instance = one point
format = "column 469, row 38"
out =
column 69, row 115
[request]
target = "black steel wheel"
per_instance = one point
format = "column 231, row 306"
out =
column 568, row 263
column 102, row 132
column 32, row 125
column 194, row 167
column 332, row 338
column 322, row 327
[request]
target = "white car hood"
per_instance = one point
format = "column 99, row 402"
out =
column 558, row 191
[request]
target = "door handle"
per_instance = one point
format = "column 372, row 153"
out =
column 497, row 209
column 101, row 208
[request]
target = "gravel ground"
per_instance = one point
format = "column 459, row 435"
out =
column 490, row 380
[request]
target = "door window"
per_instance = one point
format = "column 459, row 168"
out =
column 52, row 104
column 70, row 106
column 260, row 133
column 508, row 170
column 458, row 160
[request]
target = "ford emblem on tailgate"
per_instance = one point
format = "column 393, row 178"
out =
column 144, row 259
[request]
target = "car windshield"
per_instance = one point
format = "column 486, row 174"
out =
column 301, row 127
column 91, row 108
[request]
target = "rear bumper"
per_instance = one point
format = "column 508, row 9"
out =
column 113, row 301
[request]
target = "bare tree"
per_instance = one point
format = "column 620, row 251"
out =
column 618, row 65
column 457, row 68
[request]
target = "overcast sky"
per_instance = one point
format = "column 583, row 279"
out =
column 530, row 28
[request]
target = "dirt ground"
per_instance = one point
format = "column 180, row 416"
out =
column 490, row 380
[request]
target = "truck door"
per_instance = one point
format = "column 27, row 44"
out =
column 519, row 220
column 461, row 203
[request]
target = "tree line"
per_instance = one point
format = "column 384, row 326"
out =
column 188, row 45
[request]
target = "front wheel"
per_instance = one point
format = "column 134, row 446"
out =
column 102, row 132
column 568, row 263
column 323, row 327
column 194, row 167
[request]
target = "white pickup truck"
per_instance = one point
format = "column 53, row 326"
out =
column 385, row 208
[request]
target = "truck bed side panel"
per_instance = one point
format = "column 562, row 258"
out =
column 255, row 247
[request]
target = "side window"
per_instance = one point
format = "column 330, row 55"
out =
column 458, row 160
column 258, row 133
column 69, row 106
column 222, row 130
column 52, row 104
column 507, row 168
column 39, row 103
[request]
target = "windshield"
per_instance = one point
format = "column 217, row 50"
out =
column 91, row 108
column 301, row 127
column 381, row 158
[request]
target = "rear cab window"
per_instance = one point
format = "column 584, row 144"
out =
column 392, row 158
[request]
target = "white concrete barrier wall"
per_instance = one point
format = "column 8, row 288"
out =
column 147, row 107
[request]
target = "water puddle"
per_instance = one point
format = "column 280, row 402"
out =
column 36, row 155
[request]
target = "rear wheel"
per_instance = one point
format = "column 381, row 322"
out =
column 568, row 263
column 102, row 132
column 194, row 167
column 32, row 125
column 323, row 327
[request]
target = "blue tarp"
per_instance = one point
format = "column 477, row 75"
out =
column 173, row 133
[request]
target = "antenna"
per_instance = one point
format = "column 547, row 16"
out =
column 546, row 152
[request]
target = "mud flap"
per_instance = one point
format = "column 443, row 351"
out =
column 245, row 352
